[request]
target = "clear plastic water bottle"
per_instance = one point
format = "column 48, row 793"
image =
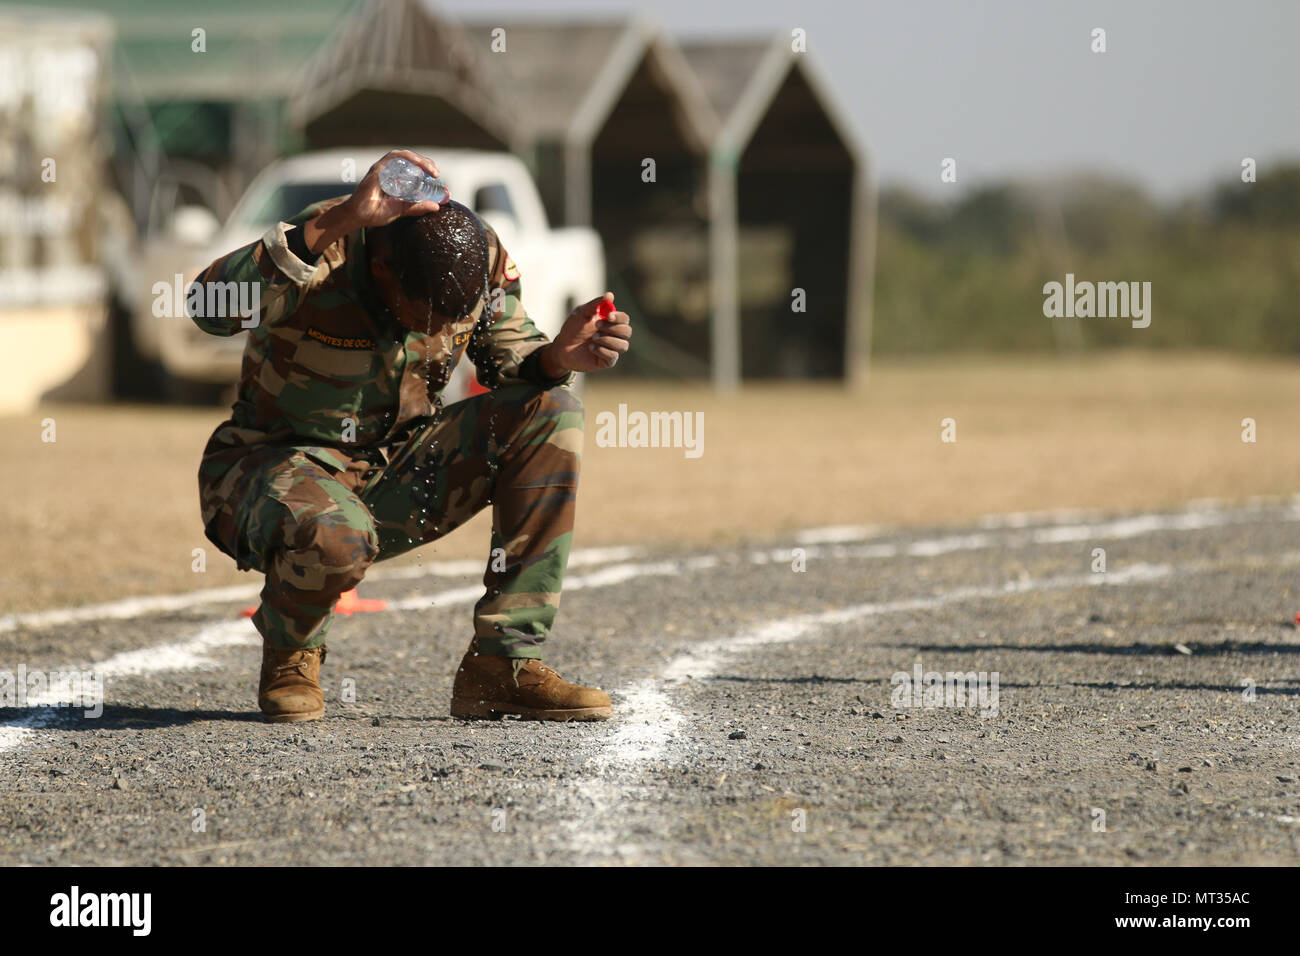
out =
column 402, row 179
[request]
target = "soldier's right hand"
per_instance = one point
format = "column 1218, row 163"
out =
column 369, row 205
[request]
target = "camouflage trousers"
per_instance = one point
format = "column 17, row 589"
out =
column 314, row 529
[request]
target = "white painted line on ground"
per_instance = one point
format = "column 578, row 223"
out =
column 647, row 722
column 833, row 541
column 1027, row 519
column 837, row 534
column 193, row 652
column 605, row 577
column 629, row 745
column 182, row 655
column 18, row 732
column 130, row 608
column 1109, row 530
column 473, row 567
column 127, row 608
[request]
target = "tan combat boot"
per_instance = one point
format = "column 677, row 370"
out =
column 290, row 686
column 488, row 686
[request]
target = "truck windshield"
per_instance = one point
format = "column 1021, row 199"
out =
column 288, row 199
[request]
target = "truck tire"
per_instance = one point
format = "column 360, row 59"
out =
column 133, row 377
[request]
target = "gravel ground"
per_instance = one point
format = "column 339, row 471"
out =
column 755, row 719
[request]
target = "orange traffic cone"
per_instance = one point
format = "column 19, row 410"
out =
column 347, row 604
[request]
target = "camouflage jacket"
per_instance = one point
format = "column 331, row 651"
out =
column 328, row 370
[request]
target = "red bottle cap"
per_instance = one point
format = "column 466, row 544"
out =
column 605, row 309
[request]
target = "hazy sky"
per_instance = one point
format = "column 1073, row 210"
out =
column 1186, row 89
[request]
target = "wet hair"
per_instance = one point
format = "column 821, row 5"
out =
column 440, row 258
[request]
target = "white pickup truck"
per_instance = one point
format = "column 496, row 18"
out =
column 559, row 267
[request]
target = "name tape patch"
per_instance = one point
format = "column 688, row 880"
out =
column 337, row 342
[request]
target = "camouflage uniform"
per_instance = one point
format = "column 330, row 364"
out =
column 339, row 453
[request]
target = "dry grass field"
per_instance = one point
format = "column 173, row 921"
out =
column 110, row 508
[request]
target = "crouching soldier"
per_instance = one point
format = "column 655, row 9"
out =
column 339, row 453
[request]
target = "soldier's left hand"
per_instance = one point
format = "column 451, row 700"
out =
column 589, row 342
